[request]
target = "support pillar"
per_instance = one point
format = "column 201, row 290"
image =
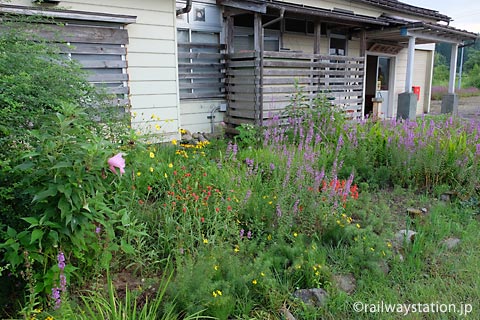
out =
column 258, row 47
column 363, row 42
column 450, row 101
column 317, row 37
column 407, row 101
column 410, row 64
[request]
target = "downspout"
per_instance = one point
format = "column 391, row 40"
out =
column 186, row 9
column 282, row 12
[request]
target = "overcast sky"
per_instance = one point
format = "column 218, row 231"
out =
column 465, row 13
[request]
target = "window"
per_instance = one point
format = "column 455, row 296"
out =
column 200, row 64
column 243, row 40
column 338, row 46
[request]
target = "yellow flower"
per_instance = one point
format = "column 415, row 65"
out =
column 358, row 226
column 170, row 165
column 295, row 234
column 165, row 175
column 152, row 155
column 216, row 267
column 139, row 173
column 151, row 169
column 237, row 249
column 205, row 241
column 174, row 142
column 372, row 249
column 153, row 116
column 254, row 281
column 317, row 273
column 157, row 126
column 214, row 294
column 262, row 274
column 49, row 318
column 389, row 244
column 269, row 237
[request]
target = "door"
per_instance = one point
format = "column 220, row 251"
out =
column 383, row 85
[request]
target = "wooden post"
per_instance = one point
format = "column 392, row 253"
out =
column 363, row 43
column 317, row 35
column 229, row 34
column 258, row 47
column 257, row 32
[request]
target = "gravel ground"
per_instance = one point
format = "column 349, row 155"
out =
column 467, row 107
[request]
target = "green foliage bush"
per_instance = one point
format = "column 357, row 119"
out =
column 56, row 189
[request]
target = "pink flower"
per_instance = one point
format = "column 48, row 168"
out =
column 117, row 162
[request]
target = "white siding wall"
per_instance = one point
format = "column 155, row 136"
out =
column 423, row 75
column 195, row 115
column 400, row 77
column 151, row 56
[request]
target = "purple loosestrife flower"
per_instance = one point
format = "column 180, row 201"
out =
column 249, row 234
column 295, row 206
column 61, row 261
column 339, row 143
column 117, row 162
column 63, row 282
column 98, row 229
column 56, row 297
column 242, row 232
column 272, row 166
column 279, row 211
column 247, row 196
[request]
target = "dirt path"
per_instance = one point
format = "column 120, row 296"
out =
column 467, row 107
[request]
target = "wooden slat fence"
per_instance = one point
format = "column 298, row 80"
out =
column 276, row 77
column 99, row 48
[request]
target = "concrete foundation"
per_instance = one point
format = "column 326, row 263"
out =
column 450, row 104
column 407, row 106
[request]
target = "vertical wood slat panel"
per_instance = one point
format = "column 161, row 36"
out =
column 339, row 78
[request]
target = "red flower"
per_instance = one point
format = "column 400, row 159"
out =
column 202, row 219
column 149, row 188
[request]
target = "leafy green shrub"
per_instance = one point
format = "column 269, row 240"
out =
column 57, row 194
column 35, row 80
column 75, row 205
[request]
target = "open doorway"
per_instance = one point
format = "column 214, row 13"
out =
column 378, row 84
